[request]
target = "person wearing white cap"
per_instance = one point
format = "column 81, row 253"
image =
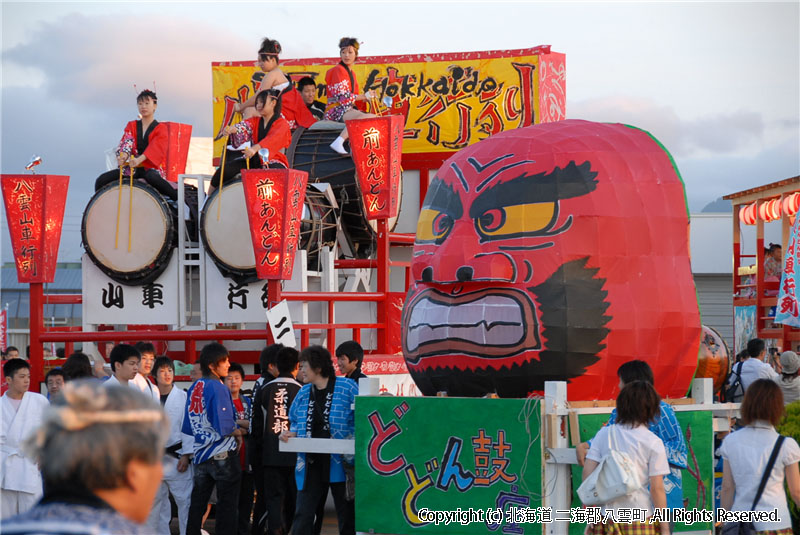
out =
column 789, row 380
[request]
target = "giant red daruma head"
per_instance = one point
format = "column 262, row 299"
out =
column 555, row 252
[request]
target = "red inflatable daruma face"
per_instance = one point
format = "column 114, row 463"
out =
column 555, row 252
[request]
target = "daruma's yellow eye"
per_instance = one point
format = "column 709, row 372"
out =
column 433, row 226
column 516, row 220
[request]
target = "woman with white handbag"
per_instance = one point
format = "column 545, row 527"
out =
column 624, row 458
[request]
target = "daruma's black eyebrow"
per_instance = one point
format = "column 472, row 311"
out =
column 571, row 181
column 443, row 198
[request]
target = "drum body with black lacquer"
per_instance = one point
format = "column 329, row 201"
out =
column 310, row 152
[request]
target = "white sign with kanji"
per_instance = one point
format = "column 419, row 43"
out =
column 106, row 301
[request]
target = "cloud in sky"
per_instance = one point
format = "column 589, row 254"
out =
column 94, row 61
column 717, row 134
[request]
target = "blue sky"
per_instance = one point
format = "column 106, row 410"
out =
column 717, row 83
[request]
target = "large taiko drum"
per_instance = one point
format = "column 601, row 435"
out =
column 714, row 359
column 227, row 239
column 310, row 152
column 153, row 236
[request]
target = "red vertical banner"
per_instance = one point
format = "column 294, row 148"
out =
column 179, row 136
column 377, row 147
column 3, row 330
column 274, row 199
column 35, row 213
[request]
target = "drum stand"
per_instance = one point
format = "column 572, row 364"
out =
column 191, row 255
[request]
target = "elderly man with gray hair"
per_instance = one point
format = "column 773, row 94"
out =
column 99, row 449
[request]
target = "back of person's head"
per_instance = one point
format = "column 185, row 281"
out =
column 763, row 401
column 146, row 94
column 318, row 358
column 91, row 433
column 635, row 370
column 637, row 404
column 77, row 366
column 287, row 361
column 304, row 81
column 755, row 347
column 145, row 348
column 270, row 47
column 236, row 368
column 12, row 366
column 352, row 350
column 211, row 355
column 790, row 364
column 121, row 353
column 161, row 362
column 268, row 356
column 60, row 352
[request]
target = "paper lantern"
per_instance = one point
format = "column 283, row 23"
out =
column 790, row 203
column 774, row 209
column 769, row 210
column 377, row 147
column 747, row 214
column 35, row 212
column 274, row 200
column 553, row 252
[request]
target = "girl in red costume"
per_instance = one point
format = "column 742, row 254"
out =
column 267, row 131
column 144, row 146
column 342, row 88
column 293, row 108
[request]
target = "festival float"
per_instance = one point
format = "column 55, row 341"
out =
column 544, row 253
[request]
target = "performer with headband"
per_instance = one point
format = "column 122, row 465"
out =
column 267, row 131
column 144, row 146
column 343, row 91
column 293, row 108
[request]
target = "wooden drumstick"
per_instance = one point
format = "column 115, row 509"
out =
column 130, row 210
column 119, row 206
column 222, row 175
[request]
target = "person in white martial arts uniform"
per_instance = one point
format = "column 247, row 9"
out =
column 178, row 476
column 147, row 351
column 124, row 365
column 20, row 416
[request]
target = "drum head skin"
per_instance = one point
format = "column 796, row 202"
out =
column 152, row 237
column 227, row 238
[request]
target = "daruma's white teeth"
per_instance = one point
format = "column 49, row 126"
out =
column 491, row 320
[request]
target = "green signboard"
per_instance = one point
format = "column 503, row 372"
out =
column 698, row 479
column 448, row 465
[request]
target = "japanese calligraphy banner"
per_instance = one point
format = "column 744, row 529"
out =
column 448, row 100
column 787, row 310
column 274, row 199
column 377, row 146
column 484, row 462
column 35, row 212
column 697, row 479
